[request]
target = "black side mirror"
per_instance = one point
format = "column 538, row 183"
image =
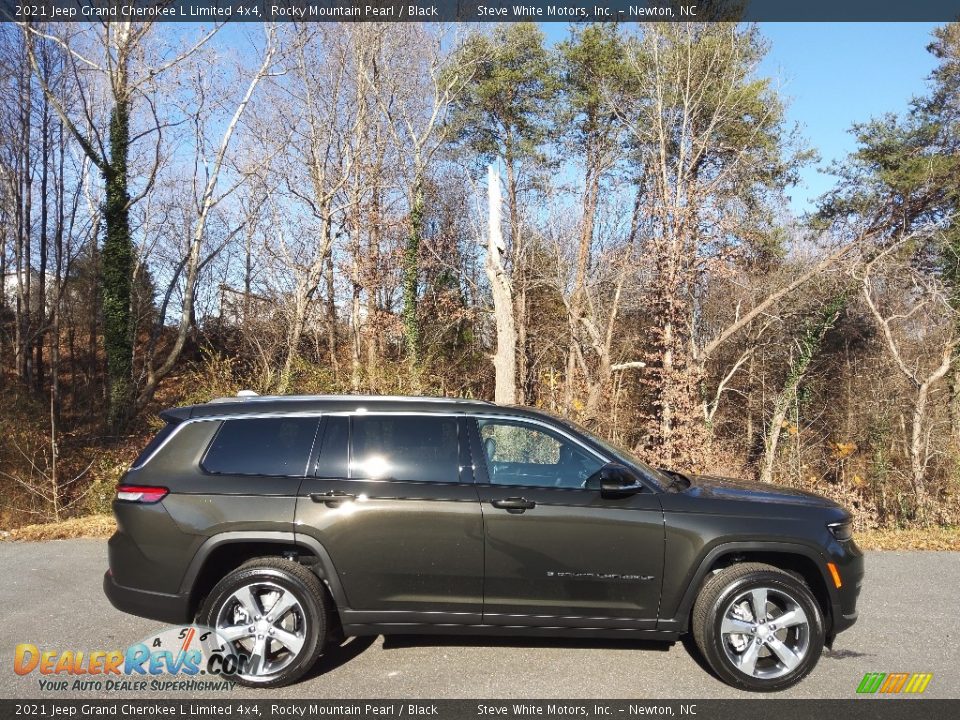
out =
column 617, row 480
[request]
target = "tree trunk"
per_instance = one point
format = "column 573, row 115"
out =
column 411, row 271
column 356, row 283
column 117, row 267
column 809, row 346
column 954, row 406
column 505, row 356
column 578, row 295
column 524, row 389
column 294, row 335
column 41, row 311
column 373, row 274
column 58, row 297
column 518, row 269
column 332, row 343
column 23, row 324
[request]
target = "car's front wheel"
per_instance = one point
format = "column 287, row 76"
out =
column 759, row 627
column 271, row 613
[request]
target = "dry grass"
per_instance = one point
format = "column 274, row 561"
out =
column 920, row 538
column 95, row 526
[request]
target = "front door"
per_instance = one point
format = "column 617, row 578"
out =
column 557, row 552
column 394, row 504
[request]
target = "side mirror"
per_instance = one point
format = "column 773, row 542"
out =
column 618, row 481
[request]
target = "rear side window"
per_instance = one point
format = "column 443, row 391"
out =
column 157, row 441
column 262, row 446
column 413, row 448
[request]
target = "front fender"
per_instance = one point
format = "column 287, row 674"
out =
column 675, row 607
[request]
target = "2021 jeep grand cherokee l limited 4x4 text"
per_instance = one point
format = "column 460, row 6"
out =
column 279, row 521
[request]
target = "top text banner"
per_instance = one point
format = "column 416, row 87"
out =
column 485, row 11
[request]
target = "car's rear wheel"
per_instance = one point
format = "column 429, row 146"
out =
column 271, row 613
column 759, row 627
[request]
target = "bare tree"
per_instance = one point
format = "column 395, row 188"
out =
column 912, row 351
column 158, row 367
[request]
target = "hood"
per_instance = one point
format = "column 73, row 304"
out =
column 718, row 488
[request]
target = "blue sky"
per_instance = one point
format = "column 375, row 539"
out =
column 836, row 74
column 833, row 75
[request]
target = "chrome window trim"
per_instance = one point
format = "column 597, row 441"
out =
column 554, row 428
column 360, row 411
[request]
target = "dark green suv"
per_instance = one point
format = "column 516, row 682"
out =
column 285, row 521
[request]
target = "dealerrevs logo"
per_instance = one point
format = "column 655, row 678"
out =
column 174, row 659
column 894, row 683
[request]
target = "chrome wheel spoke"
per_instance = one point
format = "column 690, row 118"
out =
column 258, row 657
column 291, row 642
column 284, row 604
column 249, row 602
column 736, row 626
column 748, row 659
column 790, row 618
column 758, row 601
column 787, row 656
column 233, row 633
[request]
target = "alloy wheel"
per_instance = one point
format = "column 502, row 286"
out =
column 765, row 633
column 266, row 623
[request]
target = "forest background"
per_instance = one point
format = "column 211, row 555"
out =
column 303, row 208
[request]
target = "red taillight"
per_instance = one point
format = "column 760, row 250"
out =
column 141, row 493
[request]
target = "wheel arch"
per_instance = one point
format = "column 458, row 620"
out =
column 801, row 560
column 224, row 552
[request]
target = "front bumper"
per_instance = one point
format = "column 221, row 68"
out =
column 850, row 565
column 153, row 605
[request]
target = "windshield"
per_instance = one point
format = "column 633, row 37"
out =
column 619, row 451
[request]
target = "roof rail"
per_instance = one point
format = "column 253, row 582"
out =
column 250, row 396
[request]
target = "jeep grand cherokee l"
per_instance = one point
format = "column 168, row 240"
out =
column 281, row 521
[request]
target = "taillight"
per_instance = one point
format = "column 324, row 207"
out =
column 141, row 493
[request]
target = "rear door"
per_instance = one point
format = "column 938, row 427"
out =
column 557, row 552
column 391, row 498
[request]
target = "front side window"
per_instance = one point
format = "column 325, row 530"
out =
column 262, row 446
column 523, row 454
column 413, row 448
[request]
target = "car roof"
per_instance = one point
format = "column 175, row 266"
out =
column 287, row 404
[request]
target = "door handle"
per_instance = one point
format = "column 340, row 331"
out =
column 333, row 498
column 515, row 505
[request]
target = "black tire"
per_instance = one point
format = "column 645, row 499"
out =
column 266, row 577
column 730, row 593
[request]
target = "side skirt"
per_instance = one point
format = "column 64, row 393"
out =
column 506, row 631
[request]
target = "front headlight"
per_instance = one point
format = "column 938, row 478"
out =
column 842, row 531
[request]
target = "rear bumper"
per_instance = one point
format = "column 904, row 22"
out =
column 153, row 605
